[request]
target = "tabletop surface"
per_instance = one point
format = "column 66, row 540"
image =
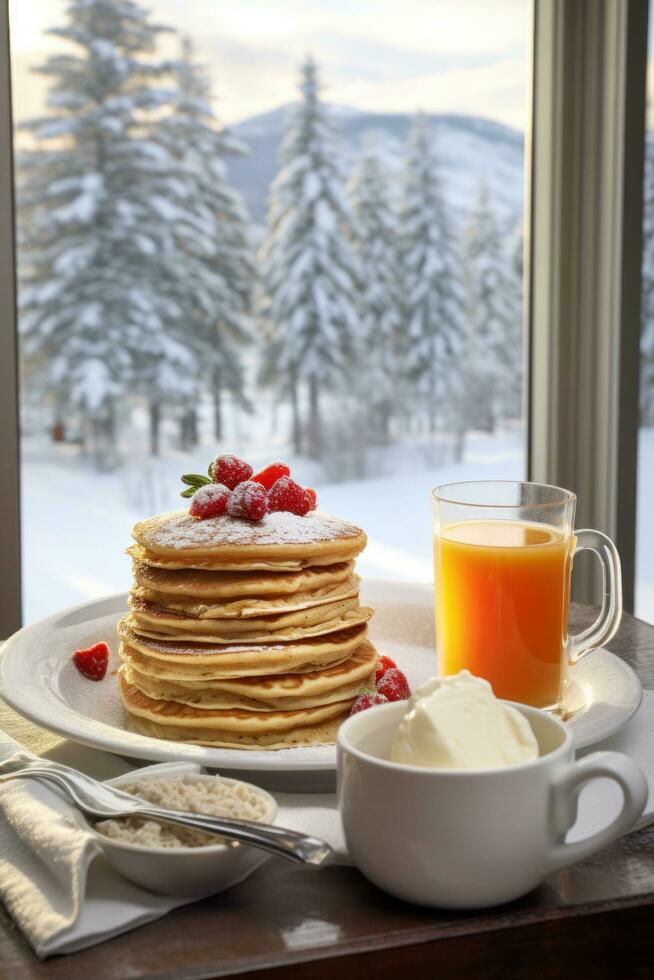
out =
column 592, row 919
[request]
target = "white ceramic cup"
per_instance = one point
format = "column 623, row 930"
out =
column 470, row 838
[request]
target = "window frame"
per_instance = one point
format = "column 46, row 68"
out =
column 583, row 285
column 582, row 306
column 10, row 566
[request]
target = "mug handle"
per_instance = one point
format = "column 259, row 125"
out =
column 606, row 624
column 565, row 788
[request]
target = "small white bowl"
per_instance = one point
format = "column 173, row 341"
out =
column 185, row 872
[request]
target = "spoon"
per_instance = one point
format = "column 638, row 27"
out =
column 100, row 801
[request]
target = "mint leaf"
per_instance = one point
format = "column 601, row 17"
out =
column 194, row 479
column 189, row 492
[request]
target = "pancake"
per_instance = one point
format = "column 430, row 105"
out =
column 302, row 737
column 256, row 729
column 195, row 675
column 187, row 563
column 211, row 631
column 336, row 683
column 244, row 634
column 251, row 606
column 279, row 537
column 226, row 585
column 209, row 699
column 163, row 620
column 172, row 660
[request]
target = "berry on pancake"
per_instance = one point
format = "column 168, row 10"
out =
column 230, row 470
column 209, row 501
column 268, row 476
column 287, row 495
column 313, row 497
column 248, row 500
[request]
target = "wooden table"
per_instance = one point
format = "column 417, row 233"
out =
column 592, row 920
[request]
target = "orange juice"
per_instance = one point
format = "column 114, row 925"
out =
column 502, row 598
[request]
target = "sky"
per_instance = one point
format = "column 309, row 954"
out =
column 463, row 56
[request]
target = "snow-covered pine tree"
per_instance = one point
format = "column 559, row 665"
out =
column 375, row 238
column 210, row 268
column 94, row 310
column 493, row 359
column 515, row 268
column 309, row 289
column 647, row 300
column 432, row 294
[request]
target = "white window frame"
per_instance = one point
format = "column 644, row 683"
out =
column 10, row 579
column 583, row 281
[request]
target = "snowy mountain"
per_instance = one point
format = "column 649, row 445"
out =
column 469, row 148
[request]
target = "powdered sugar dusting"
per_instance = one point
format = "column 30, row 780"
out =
column 180, row 531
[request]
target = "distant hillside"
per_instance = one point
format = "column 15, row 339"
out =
column 470, row 148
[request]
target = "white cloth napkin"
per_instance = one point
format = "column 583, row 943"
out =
column 54, row 880
column 56, row 884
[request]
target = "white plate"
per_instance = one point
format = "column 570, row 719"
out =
column 38, row 679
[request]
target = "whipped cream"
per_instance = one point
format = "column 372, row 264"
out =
column 457, row 723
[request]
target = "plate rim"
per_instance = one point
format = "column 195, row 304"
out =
column 412, row 593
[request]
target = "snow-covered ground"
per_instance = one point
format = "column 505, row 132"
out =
column 76, row 521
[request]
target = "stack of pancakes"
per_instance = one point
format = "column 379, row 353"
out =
column 244, row 635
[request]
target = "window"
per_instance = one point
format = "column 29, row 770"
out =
column 226, row 244
column 645, row 518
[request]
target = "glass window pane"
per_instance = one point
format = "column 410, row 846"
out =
column 229, row 245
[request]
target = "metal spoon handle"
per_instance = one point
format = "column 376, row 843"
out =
column 277, row 840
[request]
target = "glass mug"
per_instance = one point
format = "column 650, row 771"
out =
column 502, row 563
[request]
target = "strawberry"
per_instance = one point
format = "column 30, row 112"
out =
column 209, row 501
column 248, row 500
column 287, row 495
column 92, row 662
column 394, row 685
column 271, row 474
column 384, row 663
column 313, row 497
column 230, row 470
column 367, row 699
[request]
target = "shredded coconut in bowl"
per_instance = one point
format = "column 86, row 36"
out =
column 214, row 797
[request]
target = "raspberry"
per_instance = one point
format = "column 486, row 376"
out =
column 92, row 662
column 288, row 495
column 271, row 474
column 367, row 699
column 248, row 500
column 394, row 685
column 384, row 663
column 313, row 497
column 209, row 501
column 230, row 470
